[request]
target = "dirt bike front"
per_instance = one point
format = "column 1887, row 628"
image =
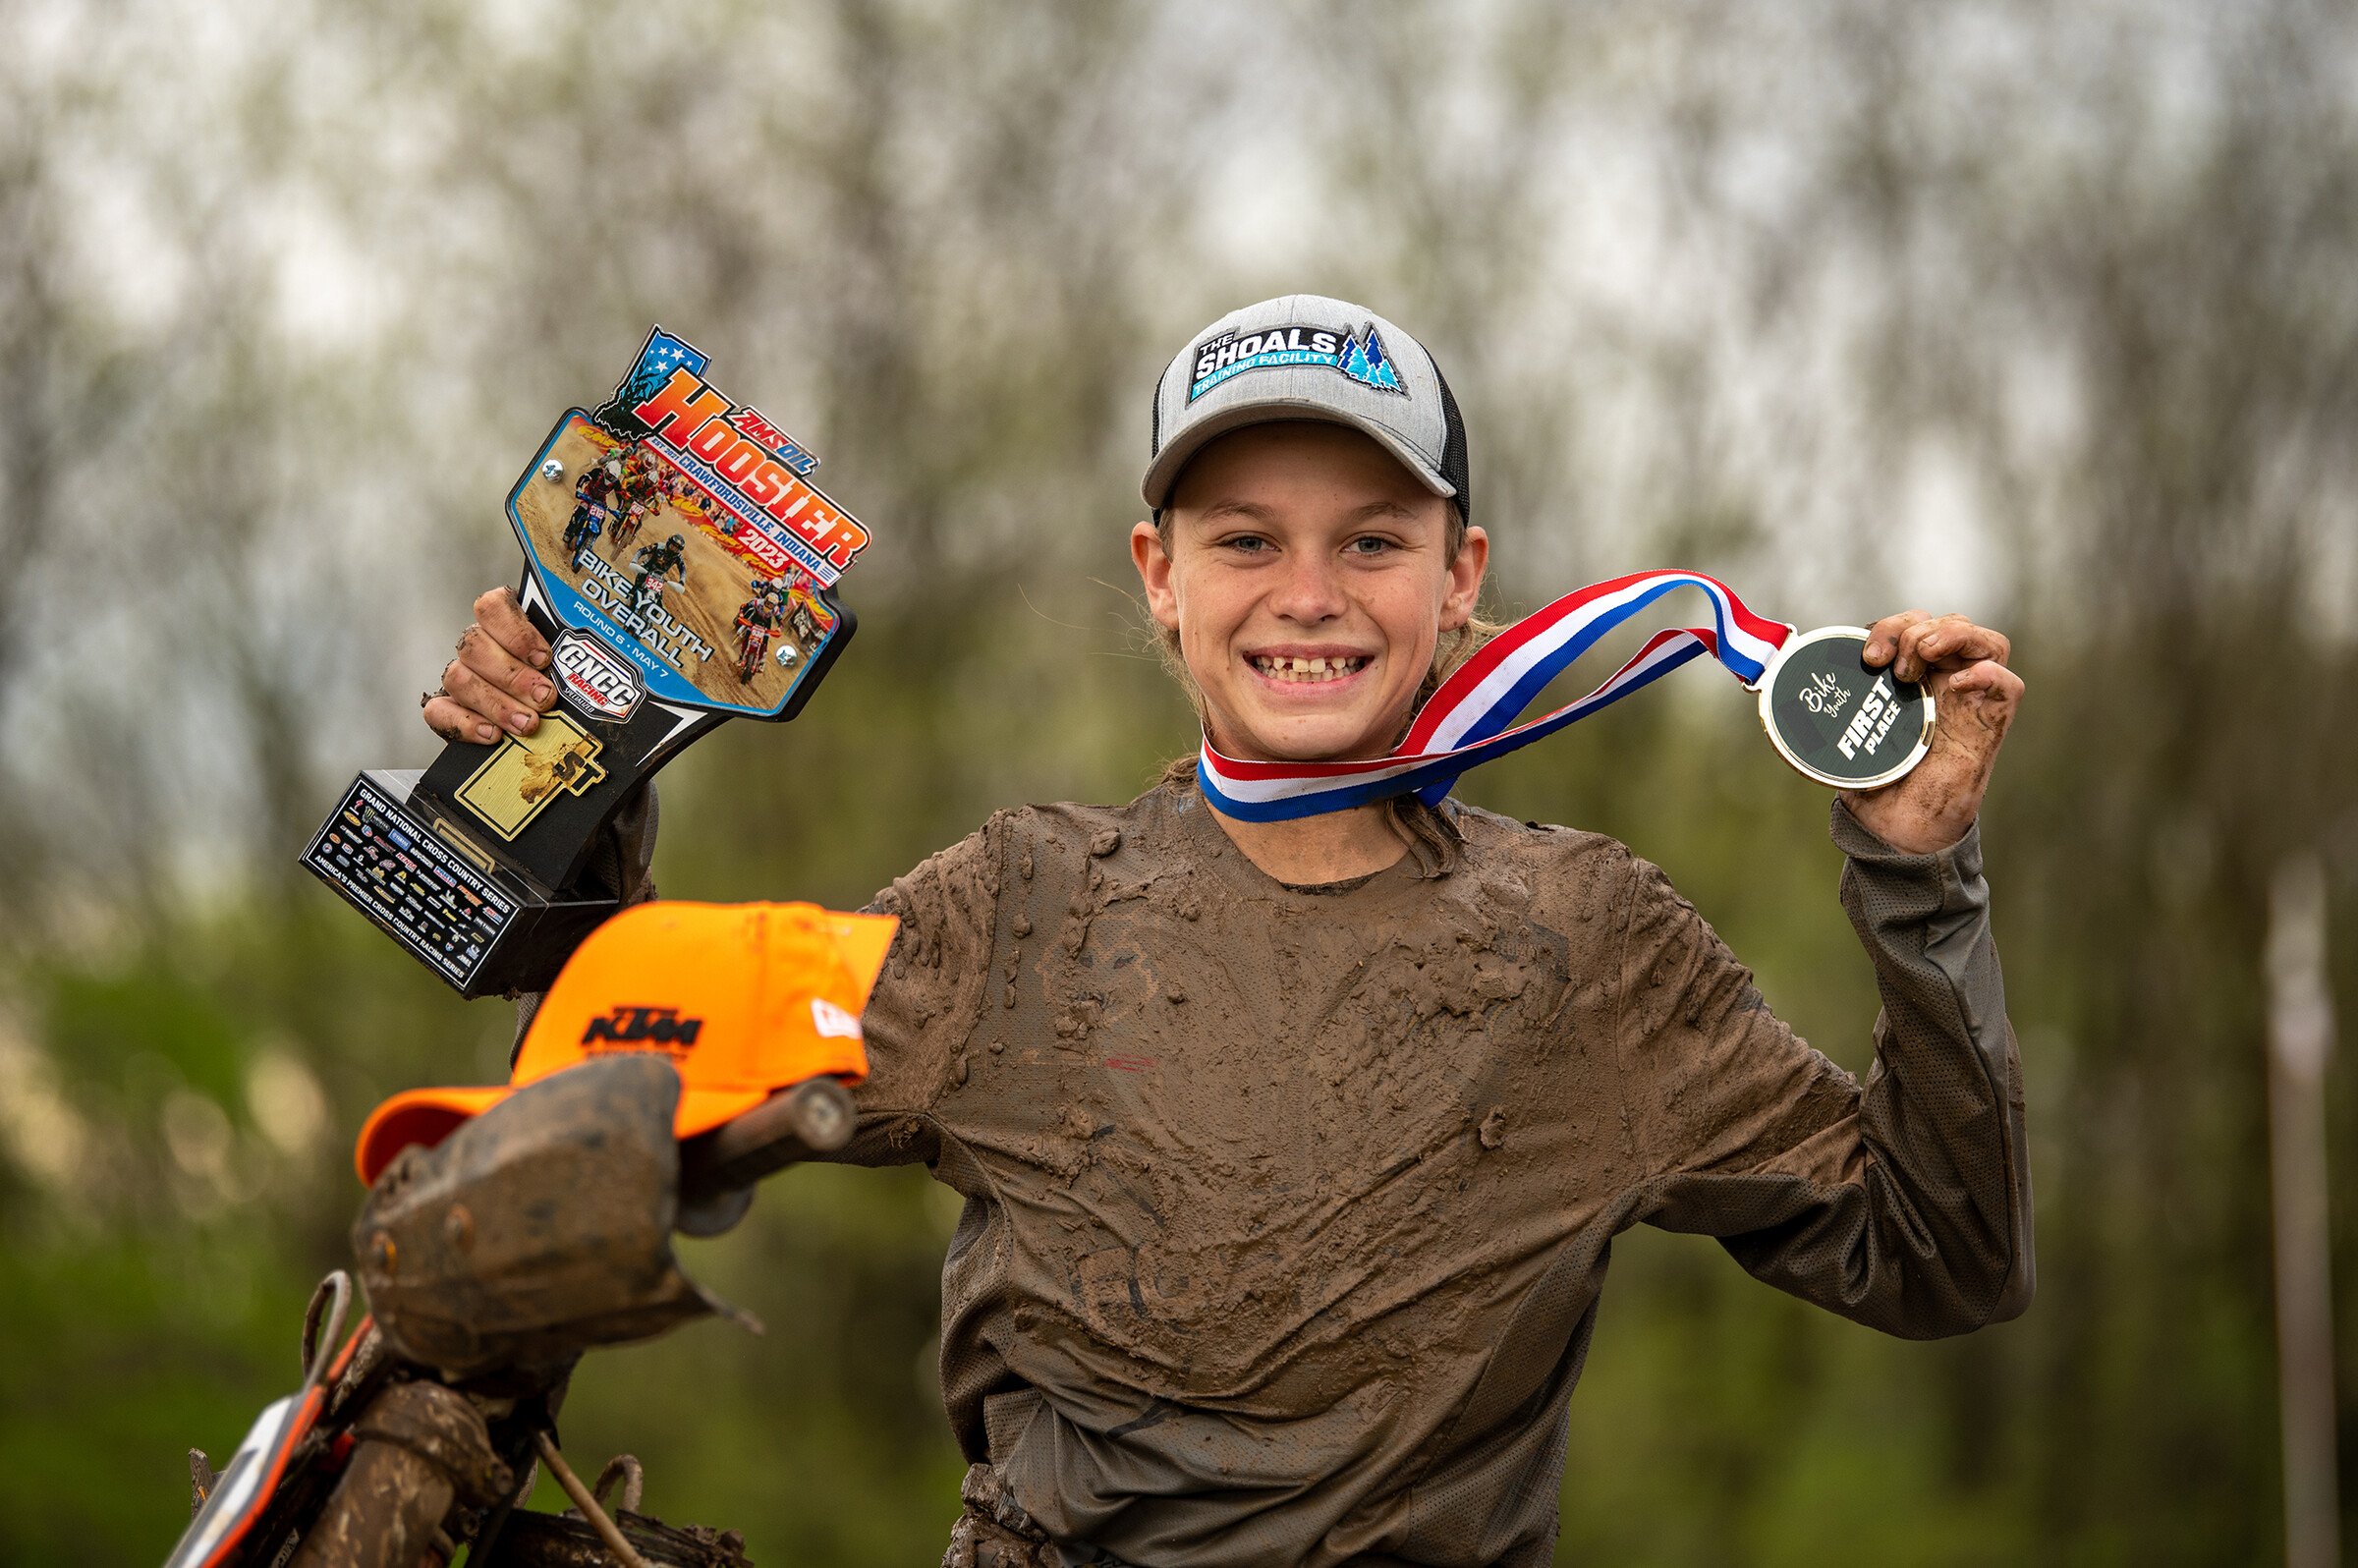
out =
column 493, row 1260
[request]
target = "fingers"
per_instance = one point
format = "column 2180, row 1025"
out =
column 1986, row 681
column 494, row 699
column 1883, row 639
column 495, row 683
column 446, row 718
column 1976, row 707
column 1948, row 644
column 1975, row 696
column 498, row 612
column 482, row 654
column 505, row 661
column 1915, row 643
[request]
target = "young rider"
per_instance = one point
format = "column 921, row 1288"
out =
column 655, row 564
column 1292, row 1151
column 588, row 514
column 758, row 620
column 637, row 494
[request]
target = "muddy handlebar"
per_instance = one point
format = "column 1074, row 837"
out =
column 813, row 1118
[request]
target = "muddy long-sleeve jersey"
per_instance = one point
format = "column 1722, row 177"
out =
column 1287, row 1210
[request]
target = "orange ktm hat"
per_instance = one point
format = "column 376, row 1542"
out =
column 744, row 998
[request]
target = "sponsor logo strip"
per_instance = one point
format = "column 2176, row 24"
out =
column 365, row 853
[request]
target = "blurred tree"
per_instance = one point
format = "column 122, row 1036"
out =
column 2040, row 313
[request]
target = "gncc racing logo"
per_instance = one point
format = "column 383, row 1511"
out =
column 628, row 1027
column 1362, row 358
column 594, row 680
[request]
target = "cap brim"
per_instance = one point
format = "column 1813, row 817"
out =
column 1163, row 473
column 417, row 1116
column 702, row 1109
column 427, row 1116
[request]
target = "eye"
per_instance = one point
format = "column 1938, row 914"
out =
column 1246, row 544
column 1367, row 545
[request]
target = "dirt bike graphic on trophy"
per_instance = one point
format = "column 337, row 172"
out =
column 753, row 640
column 756, row 623
column 633, row 500
column 581, row 534
column 627, row 527
column 592, row 510
column 653, row 567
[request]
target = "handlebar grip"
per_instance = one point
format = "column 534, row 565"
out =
column 814, row 1117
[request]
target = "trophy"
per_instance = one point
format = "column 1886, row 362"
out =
column 683, row 568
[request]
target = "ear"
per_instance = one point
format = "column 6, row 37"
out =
column 1465, row 580
column 1153, row 564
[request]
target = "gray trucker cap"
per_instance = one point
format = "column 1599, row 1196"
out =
column 1306, row 357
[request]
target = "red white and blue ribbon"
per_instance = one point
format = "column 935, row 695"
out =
column 1471, row 718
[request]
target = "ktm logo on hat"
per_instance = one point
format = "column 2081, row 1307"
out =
column 765, row 996
column 661, row 1027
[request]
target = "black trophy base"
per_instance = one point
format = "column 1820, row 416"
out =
column 408, row 864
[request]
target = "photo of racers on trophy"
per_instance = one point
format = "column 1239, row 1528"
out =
column 662, row 558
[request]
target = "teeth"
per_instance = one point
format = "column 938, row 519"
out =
column 1309, row 669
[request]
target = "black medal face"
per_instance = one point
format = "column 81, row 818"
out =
column 1835, row 719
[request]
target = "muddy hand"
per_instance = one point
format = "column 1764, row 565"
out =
column 495, row 683
column 1974, row 698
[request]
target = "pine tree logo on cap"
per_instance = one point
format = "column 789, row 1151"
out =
column 1357, row 355
column 1367, row 362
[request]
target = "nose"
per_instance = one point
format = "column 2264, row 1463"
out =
column 1312, row 590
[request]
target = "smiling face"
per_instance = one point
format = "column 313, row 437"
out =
column 1309, row 577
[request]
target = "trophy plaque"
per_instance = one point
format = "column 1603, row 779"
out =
column 1839, row 720
column 683, row 568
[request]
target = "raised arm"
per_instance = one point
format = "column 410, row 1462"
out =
column 1903, row 1203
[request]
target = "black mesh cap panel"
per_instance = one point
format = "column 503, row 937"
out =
column 1154, row 430
column 1453, row 448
